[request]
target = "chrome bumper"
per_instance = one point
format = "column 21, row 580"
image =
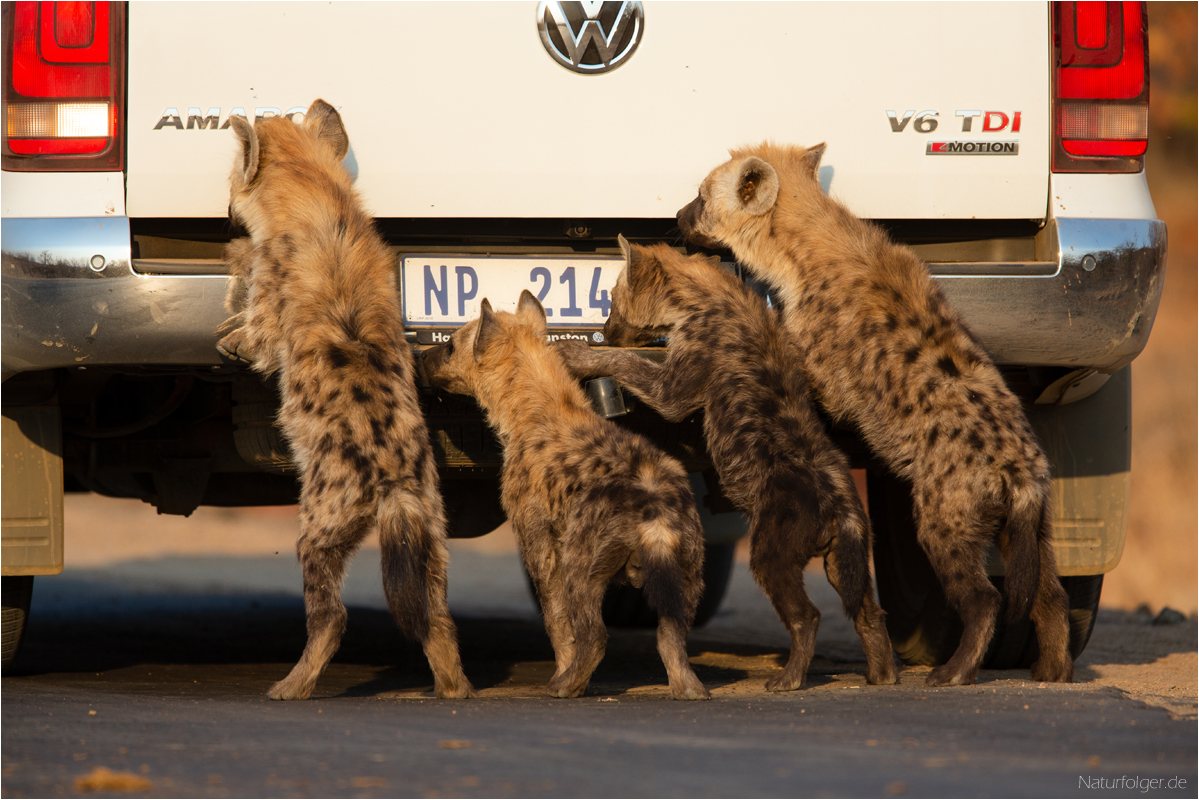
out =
column 1089, row 303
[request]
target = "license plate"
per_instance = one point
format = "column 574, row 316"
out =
column 441, row 291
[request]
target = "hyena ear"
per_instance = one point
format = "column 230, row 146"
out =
column 811, row 160
column 489, row 326
column 757, row 186
column 324, row 123
column 642, row 267
column 625, row 247
column 529, row 309
column 248, row 139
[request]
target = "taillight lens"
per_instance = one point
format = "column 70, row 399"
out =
column 1101, row 86
column 64, row 89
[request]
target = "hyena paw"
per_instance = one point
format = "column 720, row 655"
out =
column 949, row 675
column 290, row 689
column 1053, row 673
column 236, row 347
column 459, row 689
column 885, row 676
column 562, row 687
column 784, row 682
column 691, row 690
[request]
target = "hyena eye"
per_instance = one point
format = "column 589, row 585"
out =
column 449, row 346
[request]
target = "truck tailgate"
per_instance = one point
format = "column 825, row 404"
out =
column 457, row 109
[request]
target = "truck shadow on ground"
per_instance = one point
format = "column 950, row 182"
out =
column 114, row 623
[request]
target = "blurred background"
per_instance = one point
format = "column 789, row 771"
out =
column 1159, row 564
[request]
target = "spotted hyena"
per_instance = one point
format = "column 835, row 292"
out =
column 883, row 348
column 729, row 357
column 588, row 500
column 316, row 289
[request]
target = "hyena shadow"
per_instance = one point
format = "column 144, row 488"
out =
column 514, row 658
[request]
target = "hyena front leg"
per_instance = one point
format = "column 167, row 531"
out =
column 415, row 560
column 652, row 383
column 538, row 551
column 235, row 345
column 323, row 551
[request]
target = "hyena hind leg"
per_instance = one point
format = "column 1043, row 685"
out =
column 415, row 564
column 540, row 558
column 672, row 647
column 585, row 595
column 957, row 558
column 323, row 554
column 1051, row 616
column 777, row 560
column 871, row 626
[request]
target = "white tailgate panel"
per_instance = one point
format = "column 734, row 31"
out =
column 456, row 110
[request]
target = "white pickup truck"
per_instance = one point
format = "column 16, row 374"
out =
column 504, row 146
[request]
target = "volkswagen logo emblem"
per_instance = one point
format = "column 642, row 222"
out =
column 590, row 37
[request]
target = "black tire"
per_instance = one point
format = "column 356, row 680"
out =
column 17, row 591
column 924, row 630
column 625, row 606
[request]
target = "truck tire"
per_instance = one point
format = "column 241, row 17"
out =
column 924, row 630
column 17, row 591
column 625, row 606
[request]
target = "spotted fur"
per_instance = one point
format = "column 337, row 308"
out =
column 729, row 357
column 883, row 349
column 316, row 289
column 588, row 500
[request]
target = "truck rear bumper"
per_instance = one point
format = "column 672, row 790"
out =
column 1089, row 304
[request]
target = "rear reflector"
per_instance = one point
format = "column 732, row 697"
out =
column 1101, row 86
column 64, row 87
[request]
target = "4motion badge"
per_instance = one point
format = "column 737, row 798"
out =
column 992, row 122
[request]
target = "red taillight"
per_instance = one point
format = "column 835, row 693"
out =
column 1101, row 86
column 64, row 91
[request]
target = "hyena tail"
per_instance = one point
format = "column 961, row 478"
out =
column 1028, row 523
column 665, row 572
column 852, row 548
column 407, row 544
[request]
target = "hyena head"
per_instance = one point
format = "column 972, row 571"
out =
column 483, row 348
column 319, row 142
column 738, row 200
column 643, row 306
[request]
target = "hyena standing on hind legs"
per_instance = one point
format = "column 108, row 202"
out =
column 588, row 500
column 882, row 348
column 321, row 309
column 728, row 356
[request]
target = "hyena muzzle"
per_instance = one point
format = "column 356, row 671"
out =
column 884, row 349
column 315, row 287
column 588, row 500
column 729, row 357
